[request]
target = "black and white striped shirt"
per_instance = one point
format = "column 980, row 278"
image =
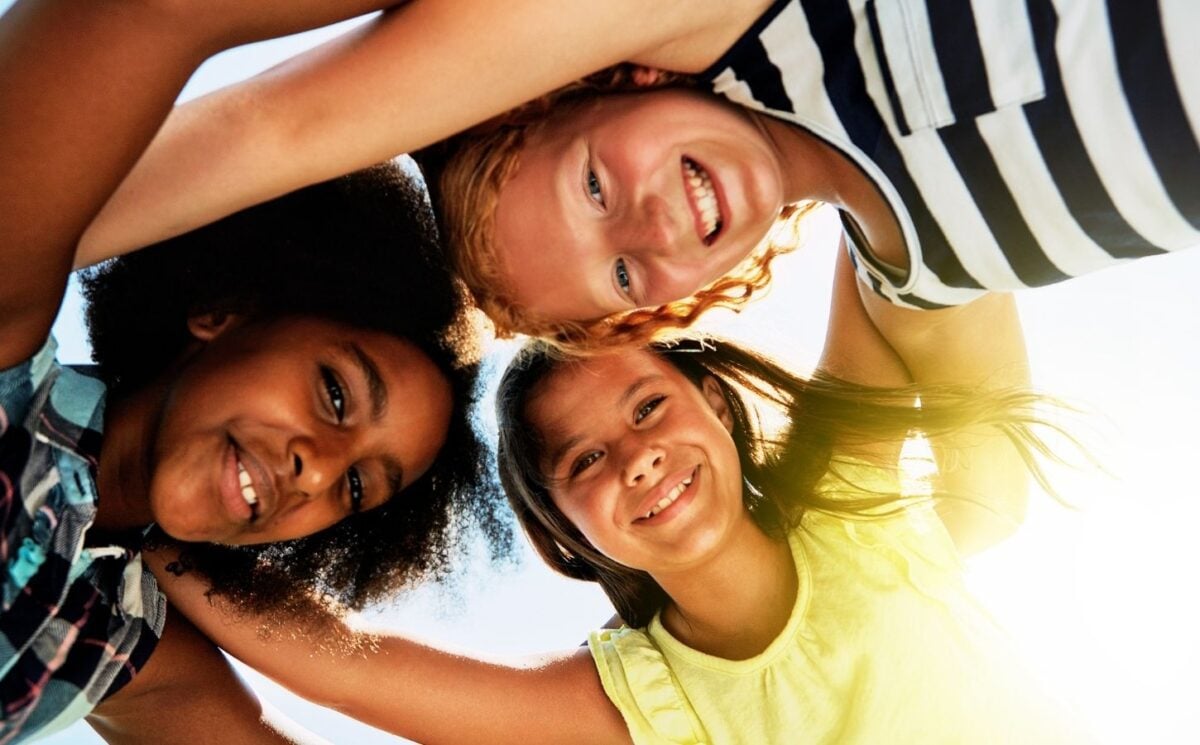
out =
column 1019, row 143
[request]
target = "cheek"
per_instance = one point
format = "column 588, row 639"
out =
column 580, row 510
column 211, row 385
column 731, row 468
column 180, row 504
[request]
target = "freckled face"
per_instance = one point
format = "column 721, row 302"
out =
column 634, row 200
column 278, row 430
column 641, row 460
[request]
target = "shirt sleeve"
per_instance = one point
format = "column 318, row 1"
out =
column 19, row 382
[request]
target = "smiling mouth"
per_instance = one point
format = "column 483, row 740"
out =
column 704, row 197
column 247, row 486
column 670, row 498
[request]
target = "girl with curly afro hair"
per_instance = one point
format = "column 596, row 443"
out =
column 758, row 538
column 285, row 395
column 362, row 252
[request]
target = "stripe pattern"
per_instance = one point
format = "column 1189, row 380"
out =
column 76, row 621
column 1019, row 142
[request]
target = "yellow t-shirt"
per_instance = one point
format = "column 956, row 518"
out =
column 884, row 646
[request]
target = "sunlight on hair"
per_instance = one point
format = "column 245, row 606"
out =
column 916, row 467
column 1100, row 598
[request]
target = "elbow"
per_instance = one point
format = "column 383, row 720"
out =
column 977, row 525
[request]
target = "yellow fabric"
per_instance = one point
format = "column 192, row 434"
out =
column 884, row 645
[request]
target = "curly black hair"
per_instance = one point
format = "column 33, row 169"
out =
column 361, row 250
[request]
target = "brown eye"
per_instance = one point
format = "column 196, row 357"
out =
column 584, row 462
column 334, row 393
column 355, row 486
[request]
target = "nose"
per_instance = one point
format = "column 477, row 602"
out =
column 650, row 229
column 641, row 461
column 315, row 466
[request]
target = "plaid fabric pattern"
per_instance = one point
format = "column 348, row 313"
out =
column 76, row 622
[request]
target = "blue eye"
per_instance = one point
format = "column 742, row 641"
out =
column 593, row 188
column 355, row 485
column 334, row 393
column 622, row 274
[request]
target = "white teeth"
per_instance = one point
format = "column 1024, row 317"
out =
column 668, row 500
column 705, row 197
column 247, row 485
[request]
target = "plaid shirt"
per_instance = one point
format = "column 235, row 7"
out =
column 77, row 621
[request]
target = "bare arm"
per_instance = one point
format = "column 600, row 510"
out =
column 414, row 76
column 979, row 345
column 188, row 692
column 855, row 350
column 411, row 689
column 77, row 105
column 84, row 85
column 873, row 342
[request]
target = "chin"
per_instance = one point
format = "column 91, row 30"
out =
column 191, row 533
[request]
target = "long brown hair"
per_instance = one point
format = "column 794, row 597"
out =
column 826, row 420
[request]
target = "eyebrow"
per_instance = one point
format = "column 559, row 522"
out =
column 559, row 452
column 375, row 385
column 394, row 473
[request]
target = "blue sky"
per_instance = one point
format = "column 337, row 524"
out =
column 1102, row 597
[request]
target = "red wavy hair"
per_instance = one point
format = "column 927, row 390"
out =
column 466, row 174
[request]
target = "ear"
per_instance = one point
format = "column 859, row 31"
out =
column 208, row 326
column 716, row 401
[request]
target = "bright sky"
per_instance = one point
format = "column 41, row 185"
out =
column 1102, row 598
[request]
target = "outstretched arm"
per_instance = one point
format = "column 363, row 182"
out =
column 414, row 76
column 854, row 349
column 77, row 105
column 979, row 345
column 84, row 85
column 408, row 688
column 188, row 692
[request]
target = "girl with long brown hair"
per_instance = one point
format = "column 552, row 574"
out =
column 775, row 585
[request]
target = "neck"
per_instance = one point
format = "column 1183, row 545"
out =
column 811, row 168
column 123, row 473
column 738, row 603
column 815, row 170
column 693, row 34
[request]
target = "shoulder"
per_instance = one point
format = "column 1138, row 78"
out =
column 18, row 382
column 639, row 681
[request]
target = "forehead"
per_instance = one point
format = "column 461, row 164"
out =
column 577, row 393
column 604, row 110
column 548, row 260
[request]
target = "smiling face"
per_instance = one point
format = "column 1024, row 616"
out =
column 640, row 460
column 634, row 200
column 277, row 430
